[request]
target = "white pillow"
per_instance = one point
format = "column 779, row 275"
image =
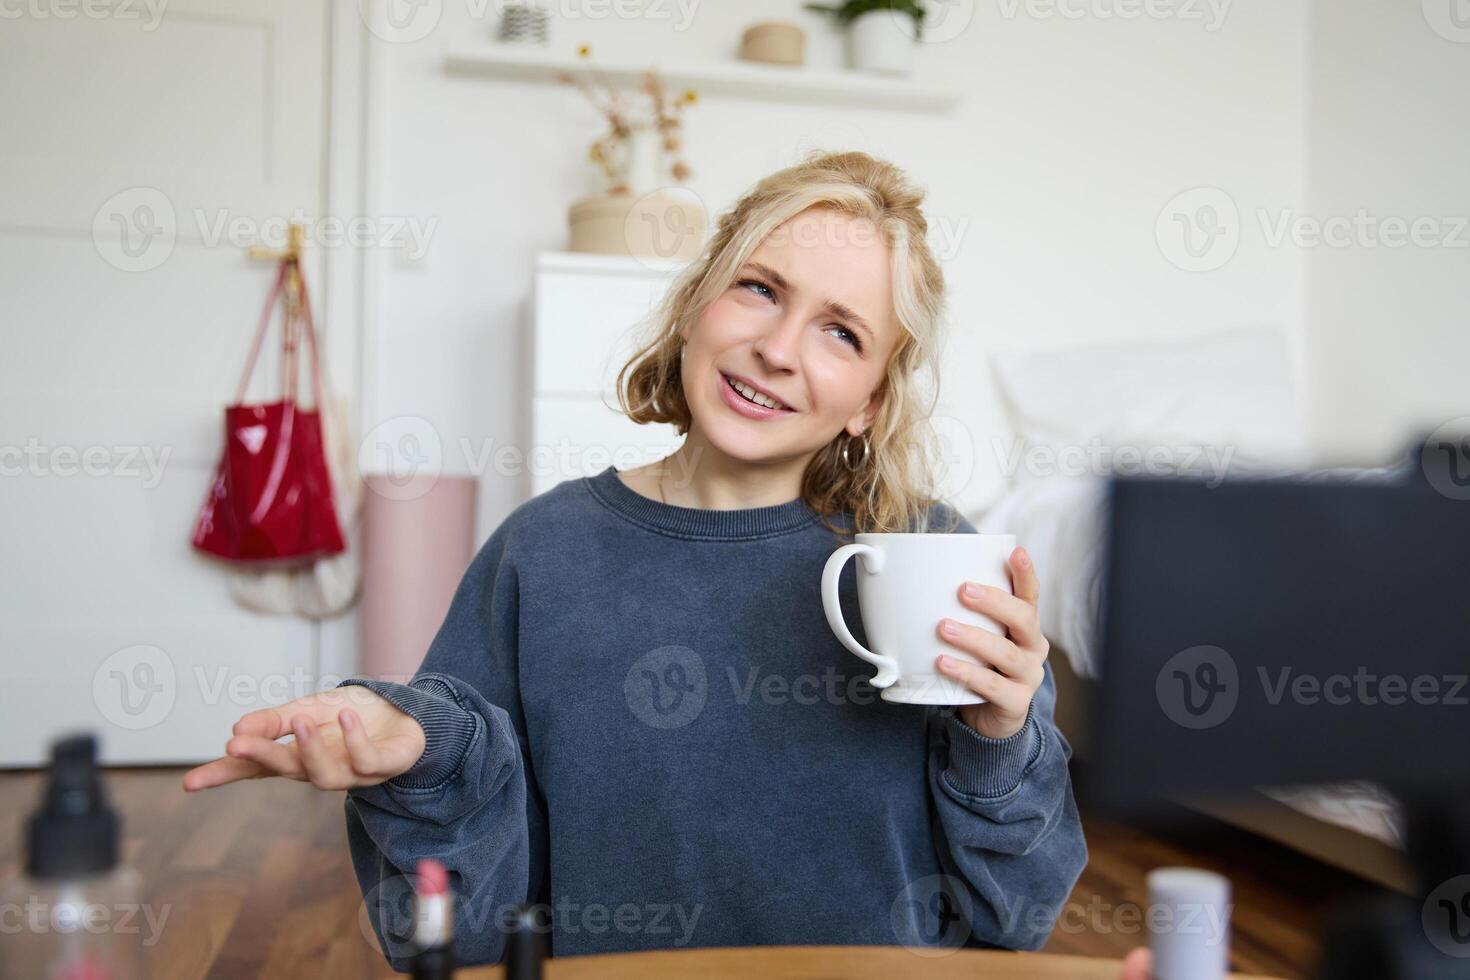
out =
column 1204, row 405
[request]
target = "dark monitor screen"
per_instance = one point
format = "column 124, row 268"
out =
column 1277, row 631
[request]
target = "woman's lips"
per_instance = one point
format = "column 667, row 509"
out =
column 749, row 409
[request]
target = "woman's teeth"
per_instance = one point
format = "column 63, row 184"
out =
column 750, row 394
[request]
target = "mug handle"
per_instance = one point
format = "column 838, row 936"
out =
column 873, row 562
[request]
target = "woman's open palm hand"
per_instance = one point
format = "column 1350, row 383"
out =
column 344, row 737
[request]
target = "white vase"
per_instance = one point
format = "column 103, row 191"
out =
column 645, row 159
column 882, row 41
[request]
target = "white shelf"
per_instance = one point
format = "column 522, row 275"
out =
column 613, row 265
column 815, row 86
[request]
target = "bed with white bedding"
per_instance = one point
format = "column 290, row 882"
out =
column 1174, row 400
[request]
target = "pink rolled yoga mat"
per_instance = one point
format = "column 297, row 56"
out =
column 417, row 541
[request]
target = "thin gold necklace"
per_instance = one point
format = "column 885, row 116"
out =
column 661, row 489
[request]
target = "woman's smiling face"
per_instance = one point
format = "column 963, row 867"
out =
column 808, row 320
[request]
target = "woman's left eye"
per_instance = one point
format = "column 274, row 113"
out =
column 856, row 344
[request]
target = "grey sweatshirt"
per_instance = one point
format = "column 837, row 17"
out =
column 638, row 719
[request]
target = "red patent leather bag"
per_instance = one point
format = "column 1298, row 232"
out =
column 270, row 501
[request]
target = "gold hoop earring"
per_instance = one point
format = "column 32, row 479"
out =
column 848, row 462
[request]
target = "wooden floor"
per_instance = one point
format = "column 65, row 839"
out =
column 255, row 880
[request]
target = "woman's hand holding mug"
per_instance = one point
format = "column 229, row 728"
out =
column 1011, row 667
column 345, row 737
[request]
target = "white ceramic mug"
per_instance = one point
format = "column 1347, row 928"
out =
column 906, row 584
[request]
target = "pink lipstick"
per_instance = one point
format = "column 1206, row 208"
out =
column 433, row 931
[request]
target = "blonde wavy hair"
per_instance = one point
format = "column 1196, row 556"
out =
column 891, row 489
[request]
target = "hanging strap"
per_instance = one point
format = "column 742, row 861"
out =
column 289, row 342
column 265, row 322
column 309, row 323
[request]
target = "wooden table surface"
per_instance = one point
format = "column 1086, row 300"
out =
column 822, row 963
column 254, row 880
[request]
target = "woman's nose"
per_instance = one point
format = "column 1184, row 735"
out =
column 778, row 343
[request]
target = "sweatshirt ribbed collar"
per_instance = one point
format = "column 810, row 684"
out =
column 697, row 522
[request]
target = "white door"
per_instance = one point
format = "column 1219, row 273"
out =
column 142, row 142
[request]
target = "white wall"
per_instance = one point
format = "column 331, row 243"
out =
column 127, row 308
column 1389, row 136
column 1073, row 134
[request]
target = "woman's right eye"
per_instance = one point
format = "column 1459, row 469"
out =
column 757, row 284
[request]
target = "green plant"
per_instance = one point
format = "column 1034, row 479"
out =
column 849, row 10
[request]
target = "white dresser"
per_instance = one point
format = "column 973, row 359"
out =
column 586, row 311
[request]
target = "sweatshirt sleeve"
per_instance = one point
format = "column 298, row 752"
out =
column 471, row 801
column 1008, row 827
column 1010, row 831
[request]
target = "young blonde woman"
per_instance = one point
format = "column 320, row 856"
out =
column 635, row 714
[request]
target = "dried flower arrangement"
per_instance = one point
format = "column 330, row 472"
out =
column 664, row 117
